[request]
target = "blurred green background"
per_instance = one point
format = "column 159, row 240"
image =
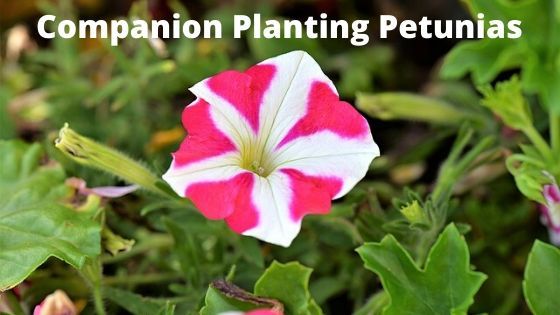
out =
column 131, row 97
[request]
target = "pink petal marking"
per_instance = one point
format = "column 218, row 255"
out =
column 326, row 112
column 244, row 90
column 204, row 139
column 217, row 200
column 552, row 193
column 550, row 213
column 264, row 312
column 317, row 196
column 245, row 216
column 38, row 308
column 254, row 312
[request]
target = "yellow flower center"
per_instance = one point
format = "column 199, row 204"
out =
column 254, row 158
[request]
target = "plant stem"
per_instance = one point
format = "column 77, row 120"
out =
column 555, row 133
column 539, row 143
column 375, row 304
column 92, row 272
column 98, row 300
column 141, row 279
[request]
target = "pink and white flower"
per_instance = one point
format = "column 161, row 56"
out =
column 254, row 312
column 267, row 146
column 550, row 213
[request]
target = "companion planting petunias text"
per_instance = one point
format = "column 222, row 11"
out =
column 267, row 146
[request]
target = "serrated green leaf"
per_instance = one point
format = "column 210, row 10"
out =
column 445, row 286
column 536, row 52
column 542, row 279
column 223, row 296
column 507, row 101
column 33, row 224
column 289, row 284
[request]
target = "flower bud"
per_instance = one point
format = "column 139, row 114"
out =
column 57, row 303
column 90, row 153
column 414, row 213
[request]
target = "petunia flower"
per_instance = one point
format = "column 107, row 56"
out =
column 550, row 213
column 267, row 146
column 254, row 312
column 57, row 303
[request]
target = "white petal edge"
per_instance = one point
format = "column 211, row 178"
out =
column 271, row 197
column 327, row 154
column 285, row 102
column 213, row 169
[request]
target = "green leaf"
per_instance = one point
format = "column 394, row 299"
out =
column 281, row 286
column 34, row 225
column 445, row 286
column 542, row 279
column 289, row 284
column 507, row 101
column 536, row 52
column 223, row 296
column 137, row 304
column 7, row 128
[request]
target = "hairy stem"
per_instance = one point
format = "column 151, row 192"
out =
column 92, row 272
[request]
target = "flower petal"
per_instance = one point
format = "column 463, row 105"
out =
column 211, row 185
column 238, row 95
column 550, row 213
column 325, row 111
column 284, row 103
column 254, row 312
column 204, row 138
column 280, row 202
column 205, row 160
column 331, row 139
column 552, row 194
column 325, row 154
column 271, row 199
column 219, row 199
column 113, row 191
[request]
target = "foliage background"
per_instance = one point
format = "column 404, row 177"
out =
column 130, row 97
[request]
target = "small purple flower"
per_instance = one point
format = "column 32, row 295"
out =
column 104, row 191
column 550, row 213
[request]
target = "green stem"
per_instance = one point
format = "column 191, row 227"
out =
column 555, row 133
column 375, row 304
column 539, row 142
column 98, row 301
column 92, row 272
column 140, row 279
column 425, row 242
